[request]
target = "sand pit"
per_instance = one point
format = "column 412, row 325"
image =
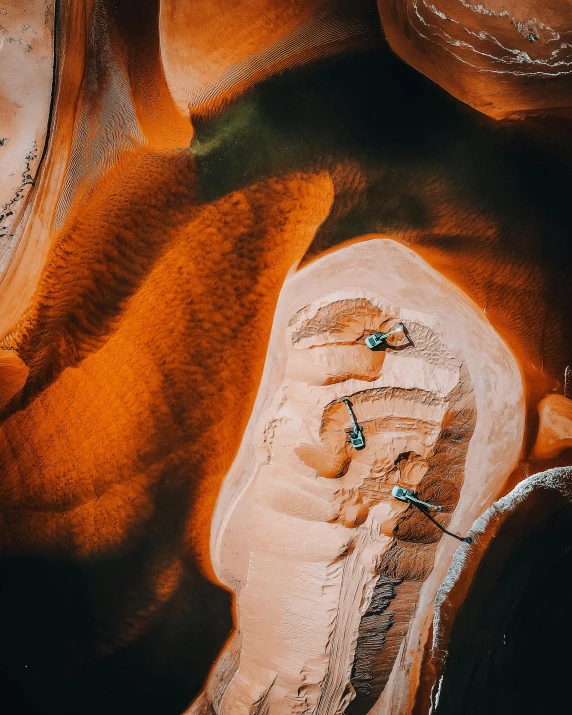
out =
column 334, row 578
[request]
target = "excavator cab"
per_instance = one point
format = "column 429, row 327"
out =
column 375, row 340
column 402, row 494
column 357, row 439
column 356, row 433
column 409, row 497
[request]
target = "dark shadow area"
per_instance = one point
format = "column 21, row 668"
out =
column 372, row 113
column 51, row 660
column 407, row 160
column 510, row 649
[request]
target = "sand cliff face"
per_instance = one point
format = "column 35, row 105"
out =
column 327, row 565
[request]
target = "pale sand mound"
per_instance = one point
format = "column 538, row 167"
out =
column 333, row 576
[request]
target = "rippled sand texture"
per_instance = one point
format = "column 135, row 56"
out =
column 236, row 45
column 505, row 59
